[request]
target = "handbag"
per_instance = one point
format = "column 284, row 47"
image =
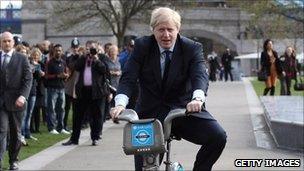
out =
column 262, row 75
column 298, row 86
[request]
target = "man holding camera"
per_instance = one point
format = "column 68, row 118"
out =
column 91, row 93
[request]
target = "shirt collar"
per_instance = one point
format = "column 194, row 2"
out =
column 161, row 50
column 10, row 53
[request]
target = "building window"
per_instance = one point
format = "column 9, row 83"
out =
column 2, row 14
column 17, row 14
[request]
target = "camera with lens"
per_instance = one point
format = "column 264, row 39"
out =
column 93, row 51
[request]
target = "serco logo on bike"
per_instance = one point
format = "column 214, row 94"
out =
column 142, row 135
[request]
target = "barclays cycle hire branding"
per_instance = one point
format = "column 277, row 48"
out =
column 142, row 135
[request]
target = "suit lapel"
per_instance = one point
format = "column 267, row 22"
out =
column 12, row 59
column 176, row 63
column 156, row 64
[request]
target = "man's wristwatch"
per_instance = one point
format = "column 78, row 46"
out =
column 198, row 99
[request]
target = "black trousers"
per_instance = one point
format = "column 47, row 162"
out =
column 285, row 85
column 207, row 133
column 93, row 108
column 228, row 71
column 10, row 122
column 69, row 101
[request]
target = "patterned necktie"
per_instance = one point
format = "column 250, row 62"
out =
column 167, row 66
column 5, row 61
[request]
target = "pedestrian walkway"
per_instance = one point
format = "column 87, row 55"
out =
column 233, row 104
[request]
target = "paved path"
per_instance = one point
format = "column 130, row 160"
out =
column 234, row 105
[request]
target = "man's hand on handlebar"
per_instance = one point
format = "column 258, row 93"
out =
column 194, row 106
column 115, row 111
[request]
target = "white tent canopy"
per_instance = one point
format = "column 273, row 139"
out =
column 248, row 56
column 300, row 57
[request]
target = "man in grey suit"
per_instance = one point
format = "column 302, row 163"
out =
column 15, row 83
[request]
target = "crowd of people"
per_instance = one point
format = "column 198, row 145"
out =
column 283, row 68
column 220, row 70
column 82, row 78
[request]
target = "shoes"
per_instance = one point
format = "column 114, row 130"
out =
column 23, row 142
column 63, row 131
column 32, row 138
column 70, row 142
column 13, row 166
column 54, row 132
column 94, row 142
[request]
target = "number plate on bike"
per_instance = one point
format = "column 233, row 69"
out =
column 142, row 135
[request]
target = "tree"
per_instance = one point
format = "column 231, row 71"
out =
column 112, row 14
column 273, row 18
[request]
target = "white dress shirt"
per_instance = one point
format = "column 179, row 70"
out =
column 10, row 54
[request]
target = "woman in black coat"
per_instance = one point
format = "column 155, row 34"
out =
column 289, row 70
column 270, row 63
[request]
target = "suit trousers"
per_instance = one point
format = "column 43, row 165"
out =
column 228, row 71
column 92, row 107
column 207, row 133
column 10, row 121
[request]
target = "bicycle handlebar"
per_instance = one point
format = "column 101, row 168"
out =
column 168, row 121
column 130, row 115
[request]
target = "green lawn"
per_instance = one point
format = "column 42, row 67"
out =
column 45, row 140
column 260, row 85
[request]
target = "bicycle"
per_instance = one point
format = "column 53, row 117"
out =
column 149, row 138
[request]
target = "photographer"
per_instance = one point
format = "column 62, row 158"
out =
column 91, row 93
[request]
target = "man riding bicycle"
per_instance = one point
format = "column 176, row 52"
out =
column 172, row 74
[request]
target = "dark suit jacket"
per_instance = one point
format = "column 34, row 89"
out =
column 98, row 78
column 226, row 60
column 187, row 73
column 265, row 62
column 18, row 81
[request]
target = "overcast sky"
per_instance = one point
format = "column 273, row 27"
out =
column 16, row 3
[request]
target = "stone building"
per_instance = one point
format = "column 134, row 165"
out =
column 211, row 22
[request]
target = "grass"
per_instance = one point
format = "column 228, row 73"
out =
column 45, row 140
column 260, row 85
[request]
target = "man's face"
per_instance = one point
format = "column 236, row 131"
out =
column 58, row 52
column 130, row 48
column 166, row 34
column 45, row 45
column 7, row 42
column 113, row 52
column 75, row 49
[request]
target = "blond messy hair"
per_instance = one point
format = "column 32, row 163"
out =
column 164, row 14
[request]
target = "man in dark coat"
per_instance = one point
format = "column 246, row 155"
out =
column 226, row 62
column 171, row 73
column 15, row 84
column 91, row 91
